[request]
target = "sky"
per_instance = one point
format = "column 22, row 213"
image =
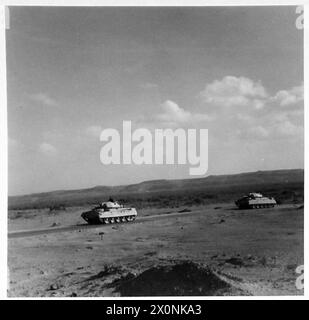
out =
column 72, row 72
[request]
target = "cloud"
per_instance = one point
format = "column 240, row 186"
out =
column 44, row 99
column 280, row 130
column 94, row 131
column 47, row 149
column 288, row 129
column 173, row 114
column 260, row 115
column 234, row 91
column 279, row 115
column 280, row 126
column 289, row 97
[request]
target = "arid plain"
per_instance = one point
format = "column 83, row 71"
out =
column 176, row 248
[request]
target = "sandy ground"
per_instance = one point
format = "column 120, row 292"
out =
column 216, row 250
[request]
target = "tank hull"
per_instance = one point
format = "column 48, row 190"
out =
column 258, row 203
column 117, row 215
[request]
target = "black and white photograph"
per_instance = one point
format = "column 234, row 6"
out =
column 155, row 151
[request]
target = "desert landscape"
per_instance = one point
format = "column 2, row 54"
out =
column 154, row 151
column 189, row 239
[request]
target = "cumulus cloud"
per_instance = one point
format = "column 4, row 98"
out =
column 172, row 113
column 47, row 149
column 43, row 99
column 260, row 115
column 94, row 131
column 279, row 116
column 289, row 97
column 234, row 91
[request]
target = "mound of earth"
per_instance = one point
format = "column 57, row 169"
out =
column 182, row 279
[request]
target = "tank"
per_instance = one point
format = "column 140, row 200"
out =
column 109, row 212
column 255, row 201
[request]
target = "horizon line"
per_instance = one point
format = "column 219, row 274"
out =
column 143, row 181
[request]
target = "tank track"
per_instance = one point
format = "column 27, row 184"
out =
column 117, row 219
column 261, row 206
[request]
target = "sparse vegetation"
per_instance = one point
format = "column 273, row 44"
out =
column 57, row 207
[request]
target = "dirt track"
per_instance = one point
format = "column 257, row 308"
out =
column 35, row 232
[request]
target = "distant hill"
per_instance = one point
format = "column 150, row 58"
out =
column 216, row 187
